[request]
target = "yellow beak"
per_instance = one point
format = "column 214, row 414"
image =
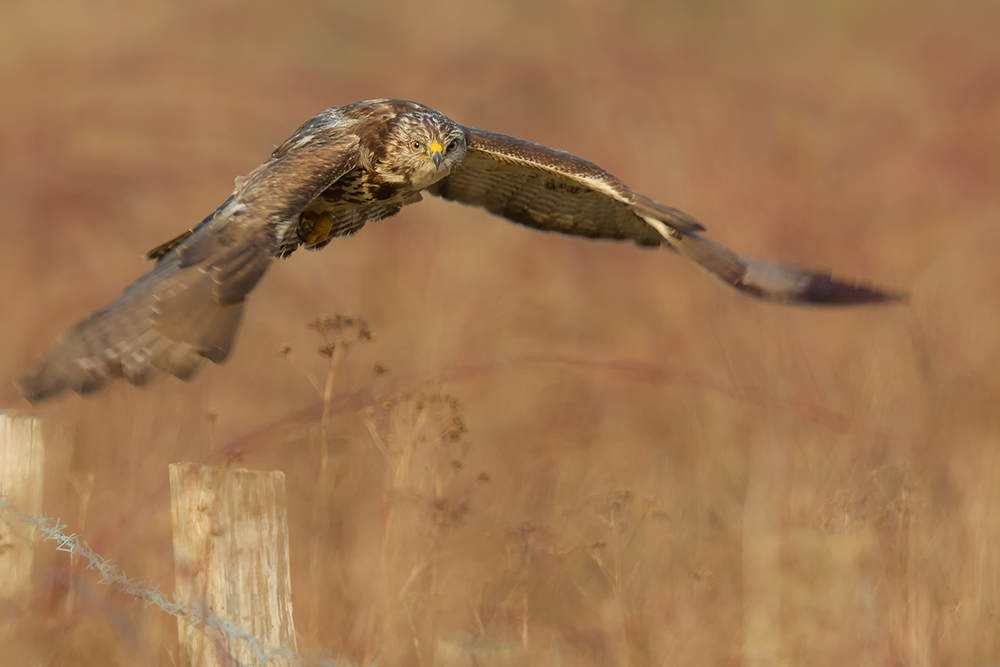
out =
column 437, row 154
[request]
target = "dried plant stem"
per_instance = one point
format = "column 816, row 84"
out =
column 309, row 376
column 524, row 614
column 401, row 463
column 84, row 490
column 324, row 429
column 321, row 498
column 419, row 435
column 614, row 523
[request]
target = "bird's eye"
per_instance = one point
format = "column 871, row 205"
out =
column 415, row 145
column 453, row 145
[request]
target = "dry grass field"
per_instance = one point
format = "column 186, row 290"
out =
column 591, row 448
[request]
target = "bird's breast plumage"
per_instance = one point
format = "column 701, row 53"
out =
column 363, row 187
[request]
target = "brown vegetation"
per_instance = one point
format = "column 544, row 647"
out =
column 589, row 448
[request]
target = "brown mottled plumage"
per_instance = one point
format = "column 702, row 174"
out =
column 359, row 163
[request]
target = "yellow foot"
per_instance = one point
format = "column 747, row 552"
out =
column 315, row 227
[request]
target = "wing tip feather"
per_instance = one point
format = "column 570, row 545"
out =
column 35, row 389
column 824, row 289
column 49, row 380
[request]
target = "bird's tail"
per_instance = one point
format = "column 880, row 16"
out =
column 772, row 281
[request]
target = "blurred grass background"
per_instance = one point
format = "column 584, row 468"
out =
column 654, row 469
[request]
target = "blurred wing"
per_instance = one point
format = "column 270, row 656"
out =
column 189, row 306
column 772, row 281
column 551, row 190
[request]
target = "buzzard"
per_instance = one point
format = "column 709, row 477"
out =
column 359, row 163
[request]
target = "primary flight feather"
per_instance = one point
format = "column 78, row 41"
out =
column 360, row 163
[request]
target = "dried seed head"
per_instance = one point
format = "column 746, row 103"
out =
column 620, row 501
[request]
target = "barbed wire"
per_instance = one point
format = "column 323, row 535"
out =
column 51, row 530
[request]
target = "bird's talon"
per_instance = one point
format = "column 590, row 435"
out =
column 316, row 226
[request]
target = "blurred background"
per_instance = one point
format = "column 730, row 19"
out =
column 619, row 460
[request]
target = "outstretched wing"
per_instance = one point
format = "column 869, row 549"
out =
column 555, row 191
column 188, row 307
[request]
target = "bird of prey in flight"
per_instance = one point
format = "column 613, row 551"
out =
column 359, row 163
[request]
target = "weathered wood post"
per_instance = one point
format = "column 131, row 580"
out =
column 231, row 560
column 22, row 455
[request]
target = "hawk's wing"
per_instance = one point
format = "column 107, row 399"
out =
column 555, row 191
column 188, row 307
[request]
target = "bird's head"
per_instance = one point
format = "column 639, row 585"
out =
column 428, row 145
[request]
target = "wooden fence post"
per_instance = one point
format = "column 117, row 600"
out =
column 22, row 455
column 231, row 559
